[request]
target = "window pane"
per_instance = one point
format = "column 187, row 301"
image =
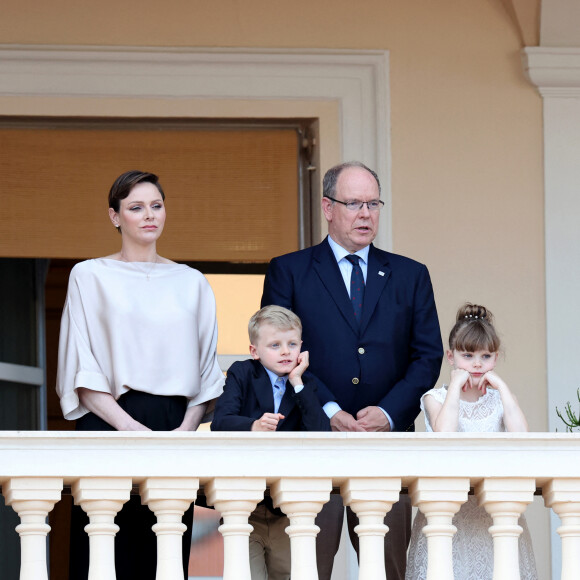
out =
column 18, row 406
column 18, row 336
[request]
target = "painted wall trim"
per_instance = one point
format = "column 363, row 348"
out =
column 556, row 74
column 356, row 80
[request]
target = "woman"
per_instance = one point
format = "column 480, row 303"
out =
column 137, row 352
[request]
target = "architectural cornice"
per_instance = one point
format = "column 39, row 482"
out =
column 175, row 72
column 554, row 71
column 357, row 81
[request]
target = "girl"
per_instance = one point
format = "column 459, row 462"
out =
column 475, row 400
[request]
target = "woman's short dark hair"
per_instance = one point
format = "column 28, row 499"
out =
column 126, row 182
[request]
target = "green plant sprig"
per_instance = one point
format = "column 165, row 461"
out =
column 573, row 421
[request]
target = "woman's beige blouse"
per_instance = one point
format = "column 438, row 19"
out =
column 137, row 325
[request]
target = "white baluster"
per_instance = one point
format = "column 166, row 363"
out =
column 505, row 499
column 235, row 498
column 301, row 499
column 102, row 498
column 168, row 498
column 370, row 499
column 32, row 498
column 439, row 498
column 563, row 496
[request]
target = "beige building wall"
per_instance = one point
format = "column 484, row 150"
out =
column 466, row 143
column 466, row 132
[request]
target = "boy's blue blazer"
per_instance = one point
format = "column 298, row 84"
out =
column 248, row 395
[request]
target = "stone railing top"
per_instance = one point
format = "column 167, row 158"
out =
column 336, row 455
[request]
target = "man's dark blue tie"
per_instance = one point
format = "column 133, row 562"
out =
column 357, row 286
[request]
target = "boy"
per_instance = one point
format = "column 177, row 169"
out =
column 270, row 393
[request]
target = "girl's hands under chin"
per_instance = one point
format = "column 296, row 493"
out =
column 461, row 378
column 490, row 379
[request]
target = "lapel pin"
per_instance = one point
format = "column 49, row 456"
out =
column 381, row 273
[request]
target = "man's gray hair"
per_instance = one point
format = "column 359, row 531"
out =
column 331, row 177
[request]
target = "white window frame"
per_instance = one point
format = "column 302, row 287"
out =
column 175, row 82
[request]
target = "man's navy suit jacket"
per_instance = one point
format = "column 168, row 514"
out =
column 395, row 355
column 248, row 395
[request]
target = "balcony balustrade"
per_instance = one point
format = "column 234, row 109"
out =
column 300, row 470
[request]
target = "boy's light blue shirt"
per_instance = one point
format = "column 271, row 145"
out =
column 279, row 387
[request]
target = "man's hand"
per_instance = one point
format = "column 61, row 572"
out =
column 343, row 421
column 267, row 422
column 373, row 419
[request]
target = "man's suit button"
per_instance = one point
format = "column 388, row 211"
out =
column 361, row 350
column 355, row 381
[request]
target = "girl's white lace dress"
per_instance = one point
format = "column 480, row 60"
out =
column 472, row 543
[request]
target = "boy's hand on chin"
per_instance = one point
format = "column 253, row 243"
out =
column 295, row 375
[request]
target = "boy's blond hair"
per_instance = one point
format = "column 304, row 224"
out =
column 277, row 316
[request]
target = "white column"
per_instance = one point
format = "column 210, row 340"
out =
column 505, row 499
column 555, row 71
column 563, row 496
column 32, row 498
column 439, row 498
column 235, row 498
column 102, row 498
column 301, row 499
column 370, row 499
column 168, row 498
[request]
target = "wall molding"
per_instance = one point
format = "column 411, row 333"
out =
column 356, row 80
column 555, row 72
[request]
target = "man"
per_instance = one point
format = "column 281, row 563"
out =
column 370, row 324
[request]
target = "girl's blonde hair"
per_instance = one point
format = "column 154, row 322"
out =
column 474, row 330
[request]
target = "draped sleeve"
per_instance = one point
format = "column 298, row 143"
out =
column 212, row 377
column 133, row 326
column 77, row 366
